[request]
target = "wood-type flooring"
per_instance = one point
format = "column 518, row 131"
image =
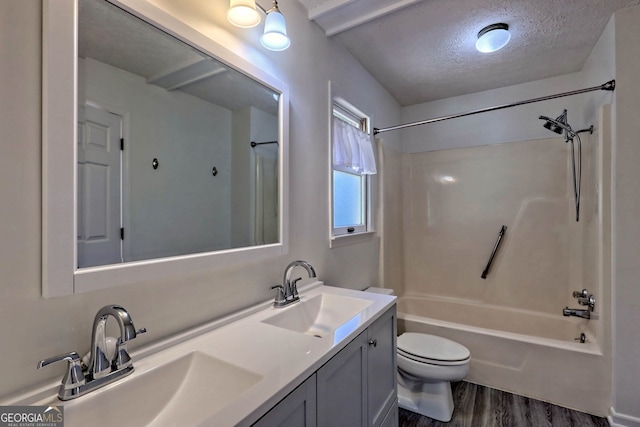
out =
column 478, row 406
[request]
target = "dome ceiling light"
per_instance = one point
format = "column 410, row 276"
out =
column 493, row 37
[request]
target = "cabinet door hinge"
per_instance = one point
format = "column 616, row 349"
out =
column 122, row 234
column 121, row 144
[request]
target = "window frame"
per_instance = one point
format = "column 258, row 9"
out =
column 343, row 110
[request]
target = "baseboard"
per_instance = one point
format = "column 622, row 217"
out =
column 622, row 420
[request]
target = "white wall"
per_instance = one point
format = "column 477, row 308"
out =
column 626, row 223
column 34, row 328
column 165, row 211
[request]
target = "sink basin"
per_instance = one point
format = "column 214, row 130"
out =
column 184, row 391
column 321, row 316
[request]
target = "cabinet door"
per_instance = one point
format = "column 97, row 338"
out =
column 381, row 367
column 298, row 409
column 342, row 387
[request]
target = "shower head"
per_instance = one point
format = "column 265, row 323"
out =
column 553, row 127
column 557, row 125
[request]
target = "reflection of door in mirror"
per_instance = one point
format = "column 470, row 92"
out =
column 99, row 236
column 266, row 194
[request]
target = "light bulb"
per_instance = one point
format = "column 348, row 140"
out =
column 275, row 32
column 243, row 13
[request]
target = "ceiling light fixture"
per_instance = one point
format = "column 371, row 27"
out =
column 493, row 37
column 244, row 14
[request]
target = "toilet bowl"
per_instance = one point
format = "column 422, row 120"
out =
column 426, row 366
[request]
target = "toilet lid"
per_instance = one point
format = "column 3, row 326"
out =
column 432, row 347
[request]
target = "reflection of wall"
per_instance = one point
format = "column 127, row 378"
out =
column 249, row 124
column 264, row 183
column 180, row 207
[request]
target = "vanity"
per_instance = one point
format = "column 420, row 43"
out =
column 328, row 360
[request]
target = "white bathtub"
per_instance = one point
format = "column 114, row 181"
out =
column 524, row 352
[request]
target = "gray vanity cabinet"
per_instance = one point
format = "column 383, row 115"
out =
column 382, row 370
column 355, row 388
column 298, row 409
column 358, row 387
column 342, row 387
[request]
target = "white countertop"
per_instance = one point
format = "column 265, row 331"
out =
column 281, row 357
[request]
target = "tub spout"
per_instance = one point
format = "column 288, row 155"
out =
column 585, row 314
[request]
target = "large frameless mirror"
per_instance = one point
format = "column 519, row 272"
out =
column 177, row 157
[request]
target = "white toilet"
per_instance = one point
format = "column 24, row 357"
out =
column 426, row 366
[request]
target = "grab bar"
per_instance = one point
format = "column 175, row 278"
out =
column 495, row 249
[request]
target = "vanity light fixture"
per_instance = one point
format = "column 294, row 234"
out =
column 493, row 37
column 244, row 14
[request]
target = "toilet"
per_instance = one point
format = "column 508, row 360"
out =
column 426, row 366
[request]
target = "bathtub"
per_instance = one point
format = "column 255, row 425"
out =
column 528, row 353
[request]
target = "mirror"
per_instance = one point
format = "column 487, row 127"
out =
column 179, row 151
column 196, row 117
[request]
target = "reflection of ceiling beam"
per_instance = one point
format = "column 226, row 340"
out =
column 327, row 7
column 186, row 74
column 336, row 16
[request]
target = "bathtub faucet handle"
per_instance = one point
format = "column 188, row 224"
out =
column 581, row 294
column 589, row 301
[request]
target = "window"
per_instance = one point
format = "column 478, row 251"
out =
column 352, row 163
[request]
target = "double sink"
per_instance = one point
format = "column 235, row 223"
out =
column 231, row 374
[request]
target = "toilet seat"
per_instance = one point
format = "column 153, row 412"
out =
column 431, row 349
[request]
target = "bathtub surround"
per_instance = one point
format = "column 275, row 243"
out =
column 454, row 201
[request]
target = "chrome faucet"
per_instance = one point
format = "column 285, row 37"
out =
column 288, row 291
column 585, row 314
column 101, row 371
column 100, row 366
column 584, row 298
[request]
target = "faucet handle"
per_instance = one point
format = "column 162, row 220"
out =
column 122, row 359
column 589, row 301
column 74, row 377
column 294, row 287
column 280, row 300
column 581, row 294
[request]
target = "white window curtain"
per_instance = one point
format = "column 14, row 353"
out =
column 352, row 149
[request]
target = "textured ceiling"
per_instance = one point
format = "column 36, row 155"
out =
column 425, row 50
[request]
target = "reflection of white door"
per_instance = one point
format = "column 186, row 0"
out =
column 99, row 225
column 266, row 194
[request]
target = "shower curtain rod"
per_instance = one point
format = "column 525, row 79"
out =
column 255, row 144
column 610, row 85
